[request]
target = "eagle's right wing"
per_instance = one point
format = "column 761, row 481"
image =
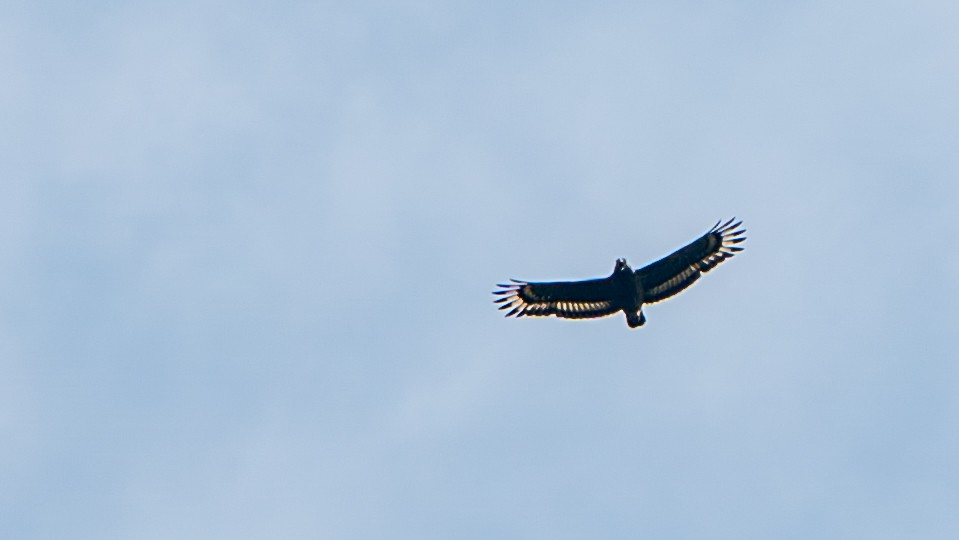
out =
column 672, row 274
column 567, row 299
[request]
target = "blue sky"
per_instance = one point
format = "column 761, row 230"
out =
column 246, row 252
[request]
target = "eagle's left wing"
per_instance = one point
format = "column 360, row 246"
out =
column 567, row 299
column 672, row 274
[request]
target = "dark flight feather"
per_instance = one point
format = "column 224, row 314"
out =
column 567, row 299
column 674, row 273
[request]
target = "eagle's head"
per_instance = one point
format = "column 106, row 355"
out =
column 621, row 265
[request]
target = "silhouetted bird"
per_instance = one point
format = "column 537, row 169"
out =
column 625, row 289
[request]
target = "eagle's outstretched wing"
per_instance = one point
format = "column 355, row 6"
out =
column 672, row 274
column 567, row 299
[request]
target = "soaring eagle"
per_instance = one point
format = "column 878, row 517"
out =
column 625, row 289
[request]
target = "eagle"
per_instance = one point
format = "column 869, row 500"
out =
column 625, row 289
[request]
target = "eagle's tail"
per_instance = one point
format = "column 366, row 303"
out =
column 635, row 318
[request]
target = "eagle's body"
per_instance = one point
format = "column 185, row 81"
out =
column 625, row 290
